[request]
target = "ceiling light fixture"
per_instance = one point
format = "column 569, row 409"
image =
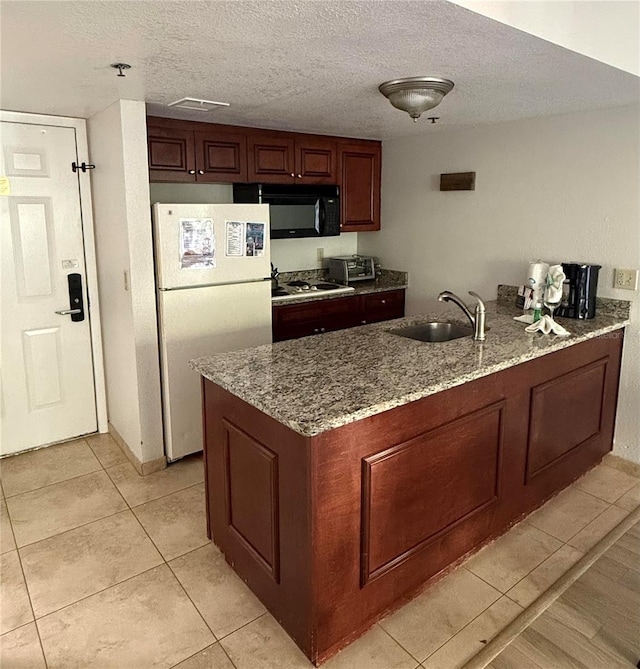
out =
column 415, row 95
column 195, row 104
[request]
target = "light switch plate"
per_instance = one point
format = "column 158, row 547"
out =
column 626, row 279
column 320, row 254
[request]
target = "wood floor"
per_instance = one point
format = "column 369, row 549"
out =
column 595, row 624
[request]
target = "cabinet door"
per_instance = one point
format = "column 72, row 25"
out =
column 271, row 158
column 221, row 157
column 299, row 320
column 377, row 307
column 171, row 154
column 360, row 187
column 316, row 159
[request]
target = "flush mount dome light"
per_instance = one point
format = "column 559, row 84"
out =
column 415, row 95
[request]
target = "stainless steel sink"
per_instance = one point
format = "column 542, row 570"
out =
column 434, row 332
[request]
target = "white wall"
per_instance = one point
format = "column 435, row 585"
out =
column 117, row 145
column 607, row 30
column 561, row 188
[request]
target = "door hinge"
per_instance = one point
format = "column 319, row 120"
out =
column 84, row 167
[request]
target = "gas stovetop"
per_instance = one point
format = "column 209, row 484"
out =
column 294, row 290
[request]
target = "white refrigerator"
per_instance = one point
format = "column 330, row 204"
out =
column 214, row 295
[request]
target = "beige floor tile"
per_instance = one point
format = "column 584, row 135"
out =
column 73, row 565
column 33, row 470
column 7, row 542
column 212, row 657
column 607, row 483
column 138, row 489
column 432, row 618
column 263, row 644
column 15, row 609
column 177, row 523
column 21, row 649
column 567, row 513
column 588, row 537
column 511, row 557
column 63, row 506
column 544, row 576
column 146, row 621
column 375, row 650
column 630, row 500
column 224, row 601
column 574, row 616
column 106, row 449
column 470, row 640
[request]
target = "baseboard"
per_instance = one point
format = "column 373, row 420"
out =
column 627, row 466
column 143, row 468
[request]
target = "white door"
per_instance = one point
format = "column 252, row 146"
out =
column 48, row 392
column 197, row 322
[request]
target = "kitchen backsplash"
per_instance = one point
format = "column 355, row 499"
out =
column 289, row 255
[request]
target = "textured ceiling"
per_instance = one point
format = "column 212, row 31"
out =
column 309, row 65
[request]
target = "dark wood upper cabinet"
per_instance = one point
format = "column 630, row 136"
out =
column 194, row 152
column 360, row 186
column 280, row 157
column 221, row 157
column 185, row 151
column 316, row 160
column 171, row 154
column 271, row 157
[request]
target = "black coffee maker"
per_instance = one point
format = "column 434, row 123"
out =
column 579, row 290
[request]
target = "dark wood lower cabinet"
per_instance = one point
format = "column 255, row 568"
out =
column 333, row 531
column 291, row 321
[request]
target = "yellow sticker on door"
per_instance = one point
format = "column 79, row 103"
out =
column 5, row 186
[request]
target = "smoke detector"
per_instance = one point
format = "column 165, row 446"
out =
column 195, row 104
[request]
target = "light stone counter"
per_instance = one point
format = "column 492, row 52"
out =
column 318, row 383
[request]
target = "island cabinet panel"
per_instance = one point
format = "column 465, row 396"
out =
column 365, row 515
column 252, row 461
column 416, row 491
column 251, row 496
column 566, row 413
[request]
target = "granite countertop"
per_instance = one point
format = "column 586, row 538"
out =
column 387, row 280
column 318, row 383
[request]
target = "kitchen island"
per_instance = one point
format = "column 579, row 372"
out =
column 344, row 471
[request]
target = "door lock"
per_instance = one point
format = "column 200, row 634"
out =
column 76, row 305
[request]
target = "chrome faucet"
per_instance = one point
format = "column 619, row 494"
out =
column 477, row 321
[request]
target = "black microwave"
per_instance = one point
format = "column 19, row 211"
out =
column 295, row 210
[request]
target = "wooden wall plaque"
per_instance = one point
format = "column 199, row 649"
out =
column 458, row 181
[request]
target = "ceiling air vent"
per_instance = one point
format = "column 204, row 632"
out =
column 194, row 104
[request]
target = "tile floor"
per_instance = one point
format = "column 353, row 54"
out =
column 103, row 568
column 594, row 623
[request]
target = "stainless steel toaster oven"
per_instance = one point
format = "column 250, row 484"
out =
column 347, row 269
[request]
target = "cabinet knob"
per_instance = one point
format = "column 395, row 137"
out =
column 383, row 302
column 299, row 176
column 192, row 171
column 316, row 331
column 293, row 174
column 322, row 330
column 363, row 322
column 200, row 171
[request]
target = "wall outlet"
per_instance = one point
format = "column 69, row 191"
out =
column 320, row 254
column 627, row 279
